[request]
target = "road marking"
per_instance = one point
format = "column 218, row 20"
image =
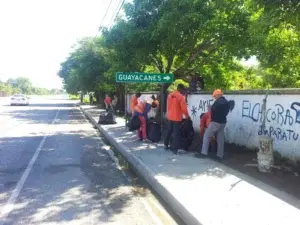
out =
column 9, row 206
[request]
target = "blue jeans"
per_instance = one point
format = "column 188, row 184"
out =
column 174, row 132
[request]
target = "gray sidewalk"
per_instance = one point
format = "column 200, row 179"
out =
column 201, row 191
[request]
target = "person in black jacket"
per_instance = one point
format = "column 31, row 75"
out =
column 219, row 112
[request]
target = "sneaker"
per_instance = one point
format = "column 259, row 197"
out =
column 200, row 155
column 175, row 152
column 181, row 151
column 218, row 159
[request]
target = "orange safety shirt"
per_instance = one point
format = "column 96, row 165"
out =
column 134, row 102
column 177, row 106
column 140, row 108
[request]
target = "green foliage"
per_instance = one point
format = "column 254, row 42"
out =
column 86, row 100
column 188, row 37
column 74, row 97
column 174, row 85
column 276, row 38
column 23, row 85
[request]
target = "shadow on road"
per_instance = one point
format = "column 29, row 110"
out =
column 43, row 113
column 73, row 178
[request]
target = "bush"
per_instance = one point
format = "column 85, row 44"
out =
column 86, row 100
column 74, row 97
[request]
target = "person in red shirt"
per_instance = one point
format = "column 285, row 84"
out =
column 205, row 119
column 107, row 102
column 176, row 108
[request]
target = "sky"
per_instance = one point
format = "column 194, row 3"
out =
column 37, row 35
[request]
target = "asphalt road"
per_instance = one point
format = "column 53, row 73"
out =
column 55, row 170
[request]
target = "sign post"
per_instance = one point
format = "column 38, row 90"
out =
column 134, row 77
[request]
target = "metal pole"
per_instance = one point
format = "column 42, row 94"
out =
column 162, row 99
column 125, row 86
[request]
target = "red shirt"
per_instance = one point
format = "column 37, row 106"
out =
column 205, row 120
column 107, row 100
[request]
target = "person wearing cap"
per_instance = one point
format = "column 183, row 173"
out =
column 141, row 110
column 219, row 112
column 134, row 101
column 176, row 108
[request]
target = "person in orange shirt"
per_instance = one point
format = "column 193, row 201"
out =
column 134, row 101
column 141, row 110
column 176, row 108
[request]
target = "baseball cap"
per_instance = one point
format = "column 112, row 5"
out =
column 217, row 92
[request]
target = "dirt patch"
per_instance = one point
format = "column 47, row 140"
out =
column 284, row 177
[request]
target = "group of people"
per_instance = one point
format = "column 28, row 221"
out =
column 141, row 106
column 212, row 123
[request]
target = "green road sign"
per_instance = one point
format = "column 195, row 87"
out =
column 144, row 77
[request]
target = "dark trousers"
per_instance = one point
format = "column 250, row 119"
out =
column 173, row 130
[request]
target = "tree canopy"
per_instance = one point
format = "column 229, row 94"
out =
column 192, row 37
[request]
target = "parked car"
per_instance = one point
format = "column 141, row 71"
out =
column 19, row 99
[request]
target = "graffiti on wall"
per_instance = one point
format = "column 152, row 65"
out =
column 279, row 133
column 278, row 115
column 202, row 107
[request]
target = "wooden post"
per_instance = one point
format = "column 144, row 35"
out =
column 265, row 156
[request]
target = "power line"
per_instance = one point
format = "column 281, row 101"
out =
column 116, row 15
column 104, row 17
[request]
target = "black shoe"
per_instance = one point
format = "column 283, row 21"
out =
column 218, row 159
column 200, row 155
column 167, row 147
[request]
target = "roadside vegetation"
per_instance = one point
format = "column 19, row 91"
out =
column 191, row 37
column 23, row 85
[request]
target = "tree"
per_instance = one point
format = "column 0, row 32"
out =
column 23, row 84
column 153, row 37
column 276, row 12
column 276, row 38
column 84, row 68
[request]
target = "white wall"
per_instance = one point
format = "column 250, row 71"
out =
column 243, row 126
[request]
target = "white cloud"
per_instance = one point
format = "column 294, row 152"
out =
column 36, row 36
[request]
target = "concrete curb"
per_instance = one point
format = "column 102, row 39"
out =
column 148, row 175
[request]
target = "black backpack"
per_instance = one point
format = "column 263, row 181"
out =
column 107, row 118
column 186, row 136
column 153, row 131
column 134, row 123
